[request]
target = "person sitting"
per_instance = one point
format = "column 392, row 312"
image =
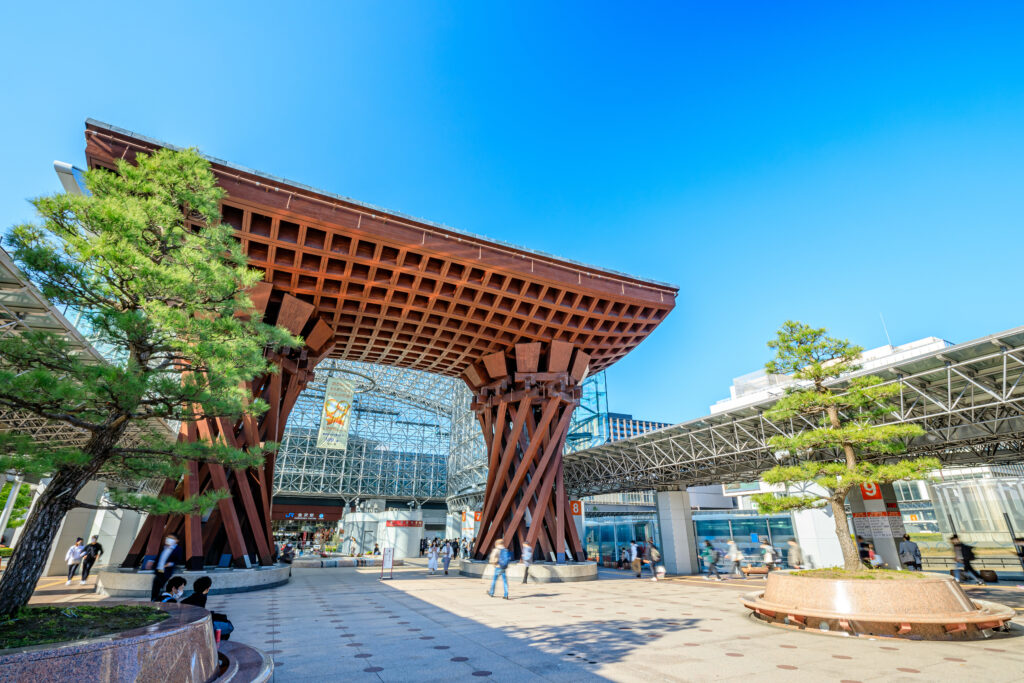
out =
column 287, row 553
column 173, row 589
column 200, row 590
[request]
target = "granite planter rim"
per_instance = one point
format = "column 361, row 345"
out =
column 182, row 617
column 929, row 608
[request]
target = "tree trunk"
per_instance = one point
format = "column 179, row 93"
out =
column 851, row 555
column 33, row 550
column 30, row 555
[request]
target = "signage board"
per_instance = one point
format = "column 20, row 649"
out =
column 403, row 522
column 336, row 414
column 871, row 491
column 387, row 562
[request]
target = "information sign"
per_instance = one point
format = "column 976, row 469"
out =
column 387, row 561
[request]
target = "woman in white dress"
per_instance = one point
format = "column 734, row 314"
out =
column 432, row 553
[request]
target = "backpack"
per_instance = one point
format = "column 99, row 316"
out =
column 504, row 557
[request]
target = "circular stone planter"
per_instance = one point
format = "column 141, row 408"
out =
column 925, row 609
column 320, row 562
column 129, row 583
column 540, row 572
column 180, row 649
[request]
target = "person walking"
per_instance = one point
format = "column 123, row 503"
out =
column 500, row 557
column 446, row 556
column 910, row 554
column 623, row 558
column 735, row 555
column 711, row 557
column 527, row 560
column 963, row 554
column 794, row 556
column 769, row 555
column 93, row 551
column 74, row 557
column 634, row 559
column 432, row 553
column 862, row 550
column 164, row 568
column 654, row 559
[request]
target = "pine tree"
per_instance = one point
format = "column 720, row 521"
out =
column 161, row 282
column 851, row 427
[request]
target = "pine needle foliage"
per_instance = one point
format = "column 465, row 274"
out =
column 849, row 427
column 155, row 277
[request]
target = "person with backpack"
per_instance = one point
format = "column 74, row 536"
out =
column 963, row 554
column 92, row 553
column 653, row 559
column 711, row 558
column 500, row 557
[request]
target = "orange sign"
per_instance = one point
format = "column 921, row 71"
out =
column 477, row 516
column 463, row 515
column 870, row 492
column 577, row 507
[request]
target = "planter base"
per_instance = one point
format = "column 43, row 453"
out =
column 541, row 572
column 179, row 649
column 917, row 609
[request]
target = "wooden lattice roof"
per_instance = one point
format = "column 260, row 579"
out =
column 405, row 292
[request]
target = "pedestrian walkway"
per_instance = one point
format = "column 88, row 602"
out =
column 346, row 624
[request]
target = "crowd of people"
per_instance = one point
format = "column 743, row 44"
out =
column 443, row 550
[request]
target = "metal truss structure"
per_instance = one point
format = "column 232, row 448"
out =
column 24, row 308
column 399, row 439
column 969, row 398
column 467, row 459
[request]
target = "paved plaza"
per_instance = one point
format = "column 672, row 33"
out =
column 346, row 624
column 341, row 624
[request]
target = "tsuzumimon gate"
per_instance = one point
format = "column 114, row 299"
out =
column 521, row 328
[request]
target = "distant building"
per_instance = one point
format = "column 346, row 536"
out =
column 759, row 386
column 623, row 426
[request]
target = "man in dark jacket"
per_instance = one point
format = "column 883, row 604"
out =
column 93, row 551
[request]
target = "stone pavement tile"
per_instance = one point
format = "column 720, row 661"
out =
column 617, row 630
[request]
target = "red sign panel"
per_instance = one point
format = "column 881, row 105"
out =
column 577, row 507
column 403, row 522
column 871, row 492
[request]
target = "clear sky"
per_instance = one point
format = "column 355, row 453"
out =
column 773, row 160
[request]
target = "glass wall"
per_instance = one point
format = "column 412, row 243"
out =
column 747, row 528
column 606, row 536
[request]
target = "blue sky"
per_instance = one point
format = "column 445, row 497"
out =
column 786, row 160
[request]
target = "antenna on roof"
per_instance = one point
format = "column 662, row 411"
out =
column 885, row 329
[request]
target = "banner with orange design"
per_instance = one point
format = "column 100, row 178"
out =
column 336, row 414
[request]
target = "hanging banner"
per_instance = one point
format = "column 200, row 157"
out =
column 336, row 414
